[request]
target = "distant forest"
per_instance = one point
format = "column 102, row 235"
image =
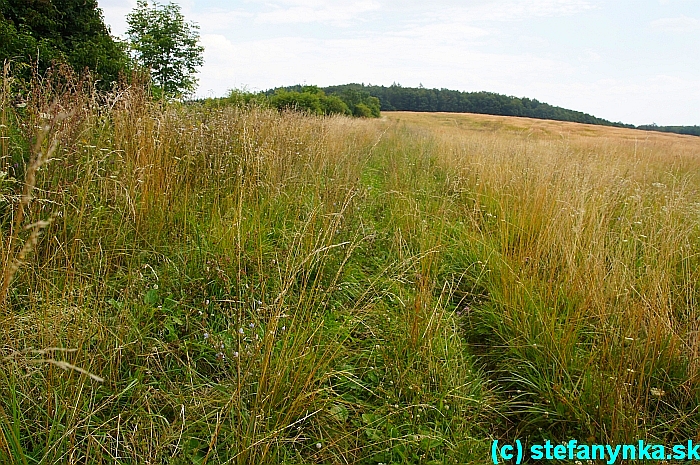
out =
column 396, row 97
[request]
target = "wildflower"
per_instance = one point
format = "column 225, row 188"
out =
column 284, row 328
column 206, row 335
column 657, row 392
column 235, row 354
column 240, row 331
column 252, row 325
column 318, row 445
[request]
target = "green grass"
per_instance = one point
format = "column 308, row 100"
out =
column 257, row 287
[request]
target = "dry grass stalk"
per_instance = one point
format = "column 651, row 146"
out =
column 15, row 255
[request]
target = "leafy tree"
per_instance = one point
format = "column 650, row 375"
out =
column 348, row 100
column 332, row 104
column 311, row 99
column 360, row 102
column 362, row 110
column 166, row 45
column 69, row 31
column 301, row 101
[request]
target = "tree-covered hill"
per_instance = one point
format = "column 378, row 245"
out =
column 398, row 98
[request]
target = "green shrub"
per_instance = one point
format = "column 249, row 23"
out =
column 332, row 104
column 300, row 101
column 362, row 110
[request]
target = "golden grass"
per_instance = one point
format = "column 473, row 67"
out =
column 278, row 288
column 598, row 229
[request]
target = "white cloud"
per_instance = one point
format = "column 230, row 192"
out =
column 589, row 56
column 217, row 19
column 668, row 2
column 664, row 99
column 445, row 32
column 680, row 24
column 310, row 11
column 513, row 10
column 377, row 58
column 115, row 12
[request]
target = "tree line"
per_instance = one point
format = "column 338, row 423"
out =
column 36, row 35
column 398, row 98
column 687, row 130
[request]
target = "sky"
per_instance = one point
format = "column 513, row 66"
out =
column 635, row 61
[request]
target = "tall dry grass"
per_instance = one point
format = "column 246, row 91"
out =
column 238, row 285
column 208, row 292
column 594, row 288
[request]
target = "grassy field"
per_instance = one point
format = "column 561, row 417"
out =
column 188, row 285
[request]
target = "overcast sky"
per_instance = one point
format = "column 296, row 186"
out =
column 636, row 61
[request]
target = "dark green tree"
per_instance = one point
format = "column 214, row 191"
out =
column 332, row 104
column 301, row 101
column 311, row 99
column 166, row 45
column 71, row 31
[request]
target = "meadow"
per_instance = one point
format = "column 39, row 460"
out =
column 183, row 284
